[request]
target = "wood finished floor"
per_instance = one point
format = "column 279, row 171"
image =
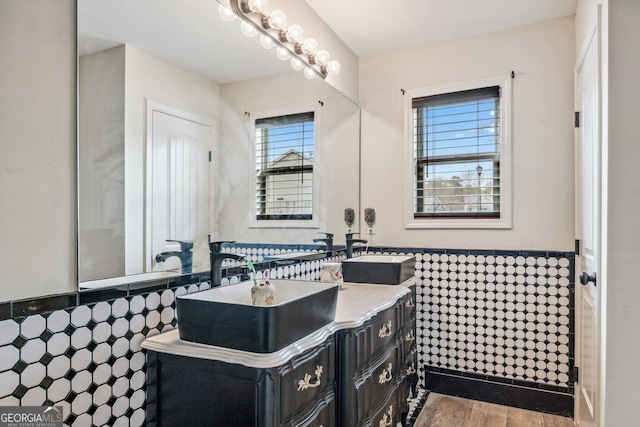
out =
column 449, row 411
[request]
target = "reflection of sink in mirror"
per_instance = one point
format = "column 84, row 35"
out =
column 225, row 317
column 133, row 279
column 296, row 256
column 379, row 269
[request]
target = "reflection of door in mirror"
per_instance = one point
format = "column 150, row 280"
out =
column 115, row 119
column 177, row 197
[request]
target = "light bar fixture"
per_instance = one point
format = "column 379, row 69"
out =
column 289, row 40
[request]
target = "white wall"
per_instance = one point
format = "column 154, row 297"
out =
column 101, row 161
column 37, row 164
column 299, row 12
column 542, row 56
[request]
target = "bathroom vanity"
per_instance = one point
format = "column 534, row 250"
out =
column 358, row 370
column 377, row 366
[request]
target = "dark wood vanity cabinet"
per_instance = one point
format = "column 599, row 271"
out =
column 188, row 391
column 377, row 367
column 360, row 375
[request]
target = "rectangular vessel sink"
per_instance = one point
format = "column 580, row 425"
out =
column 379, row 269
column 225, row 317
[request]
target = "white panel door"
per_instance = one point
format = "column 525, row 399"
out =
column 178, row 191
column 588, row 262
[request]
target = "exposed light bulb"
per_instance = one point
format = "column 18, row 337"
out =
column 267, row 42
column 283, row 54
column 278, row 20
column 309, row 73
column 322, row 57
column 295, row 34
column 333, row 67
column 226, row 13
column 296, row 63
column 248, row 29
column 310, row 46
column 258, row 5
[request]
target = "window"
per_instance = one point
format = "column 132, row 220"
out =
column 284, row 167
column 459, row 148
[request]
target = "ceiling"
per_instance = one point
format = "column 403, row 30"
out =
column 191, row 35
column 371, row 27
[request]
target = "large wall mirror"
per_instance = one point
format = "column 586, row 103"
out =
column 190, row 132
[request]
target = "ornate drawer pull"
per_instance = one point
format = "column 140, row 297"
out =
column 306, row 382
column 387, row 418
column 411, row 369
column 409, row 303
column 385, row 330
column 386, row 375
column 409, row 336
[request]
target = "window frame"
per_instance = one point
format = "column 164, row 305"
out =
column 314, row 221
column 462, row 222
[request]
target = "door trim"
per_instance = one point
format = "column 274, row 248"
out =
column 594, row 36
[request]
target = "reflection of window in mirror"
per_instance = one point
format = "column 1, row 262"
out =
column 284, row 147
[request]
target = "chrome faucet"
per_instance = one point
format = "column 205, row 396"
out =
column 327, row 240
column 350, row 242
column 185, row 255
column 217, row 258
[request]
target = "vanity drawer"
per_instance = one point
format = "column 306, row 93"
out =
column 326, row 417
column 410, row 365
column 384, row 330
column 305, row 378
column 384, row 376
column 409, row 338
column 322, row 414
column 372, row 388
column 389, row 414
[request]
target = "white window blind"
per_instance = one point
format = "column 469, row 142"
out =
column 456, row 154
column 284, row 167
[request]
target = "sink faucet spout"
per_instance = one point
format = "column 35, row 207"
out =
column 185, row 255
column 350, row 241
column 327, row 240
column 217, row 258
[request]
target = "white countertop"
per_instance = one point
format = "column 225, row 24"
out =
column 356, row 304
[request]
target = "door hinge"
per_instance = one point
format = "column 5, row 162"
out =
column 577, row 248
column 576, row 374
column 576, row 119
column 209, row 156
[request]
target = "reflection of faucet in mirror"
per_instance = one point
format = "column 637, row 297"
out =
column 217, row 257
column 350, row 242
column 328, row 241
column 185, row 255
